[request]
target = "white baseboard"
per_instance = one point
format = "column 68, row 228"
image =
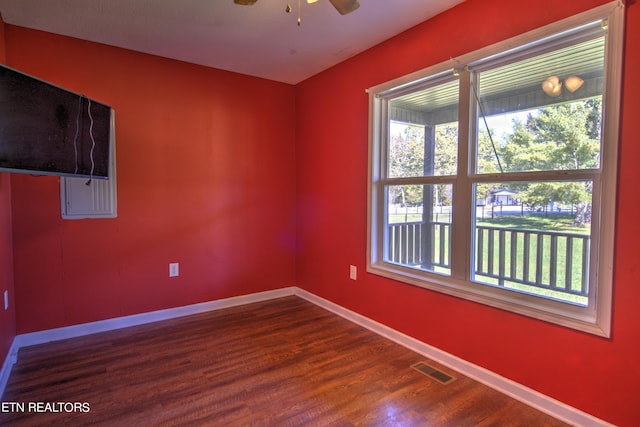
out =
column 9, row 361
column 57, row 334
column 49, row 335
column 504, row 385
column 535, row 399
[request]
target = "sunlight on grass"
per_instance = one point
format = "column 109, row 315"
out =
column 538, row 254
column 552, row 222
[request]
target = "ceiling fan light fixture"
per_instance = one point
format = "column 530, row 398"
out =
column 345, row 6
column 573, row 83
column 245, row 2
column 552, row 86
column 311, row 1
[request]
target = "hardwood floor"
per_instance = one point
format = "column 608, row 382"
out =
column 284, row 362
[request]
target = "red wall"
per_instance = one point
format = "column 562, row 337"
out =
column 599, row 376
column 208, row 166
column 206, row 178
column 7, row 317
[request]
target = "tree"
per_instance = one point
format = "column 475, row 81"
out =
column 558, row 137
column 488, row 162
column 445, row 159
column 406, row 159
column 416, row 150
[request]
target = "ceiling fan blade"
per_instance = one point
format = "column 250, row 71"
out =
column 345, row 6
column 245, row 2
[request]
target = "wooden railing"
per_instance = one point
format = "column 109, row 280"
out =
column 410, row 244
column 504, row 256
column 544, row 259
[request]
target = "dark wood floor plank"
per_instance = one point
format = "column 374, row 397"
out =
column 283, row 362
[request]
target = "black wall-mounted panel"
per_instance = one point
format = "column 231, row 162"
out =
column 45, row 129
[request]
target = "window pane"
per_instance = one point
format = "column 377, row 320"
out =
column 542, row 113
column 423, row 132
column 534, row 237
column 419, row 226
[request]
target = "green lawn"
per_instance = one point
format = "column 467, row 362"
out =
column 562, row 223
column 550, row 222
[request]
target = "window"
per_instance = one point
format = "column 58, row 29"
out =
column 494, row 179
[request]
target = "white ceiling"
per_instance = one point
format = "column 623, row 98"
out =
column 260, row 40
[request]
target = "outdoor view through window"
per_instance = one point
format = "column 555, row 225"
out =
column 489, row 177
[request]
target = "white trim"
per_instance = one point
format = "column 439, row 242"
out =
column 9, row 361
column 83, row 329
column 504, row 385
column 502, row 46
column 49, row 335
column 594, row 317
column 537, row 400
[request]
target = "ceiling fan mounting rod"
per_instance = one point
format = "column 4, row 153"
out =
column 342, row 6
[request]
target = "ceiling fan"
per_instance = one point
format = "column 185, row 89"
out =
column 342, row 6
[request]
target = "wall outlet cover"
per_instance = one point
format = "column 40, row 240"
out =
column 174, row 269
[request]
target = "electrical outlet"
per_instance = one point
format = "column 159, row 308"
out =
column 174, row 269
column 353, row 272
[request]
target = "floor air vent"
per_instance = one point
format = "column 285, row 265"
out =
column 432, row 372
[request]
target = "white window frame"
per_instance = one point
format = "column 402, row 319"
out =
column 594, row 318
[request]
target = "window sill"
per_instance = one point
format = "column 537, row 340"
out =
column 560, row 313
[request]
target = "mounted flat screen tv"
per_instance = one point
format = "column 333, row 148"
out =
column 47, row 130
